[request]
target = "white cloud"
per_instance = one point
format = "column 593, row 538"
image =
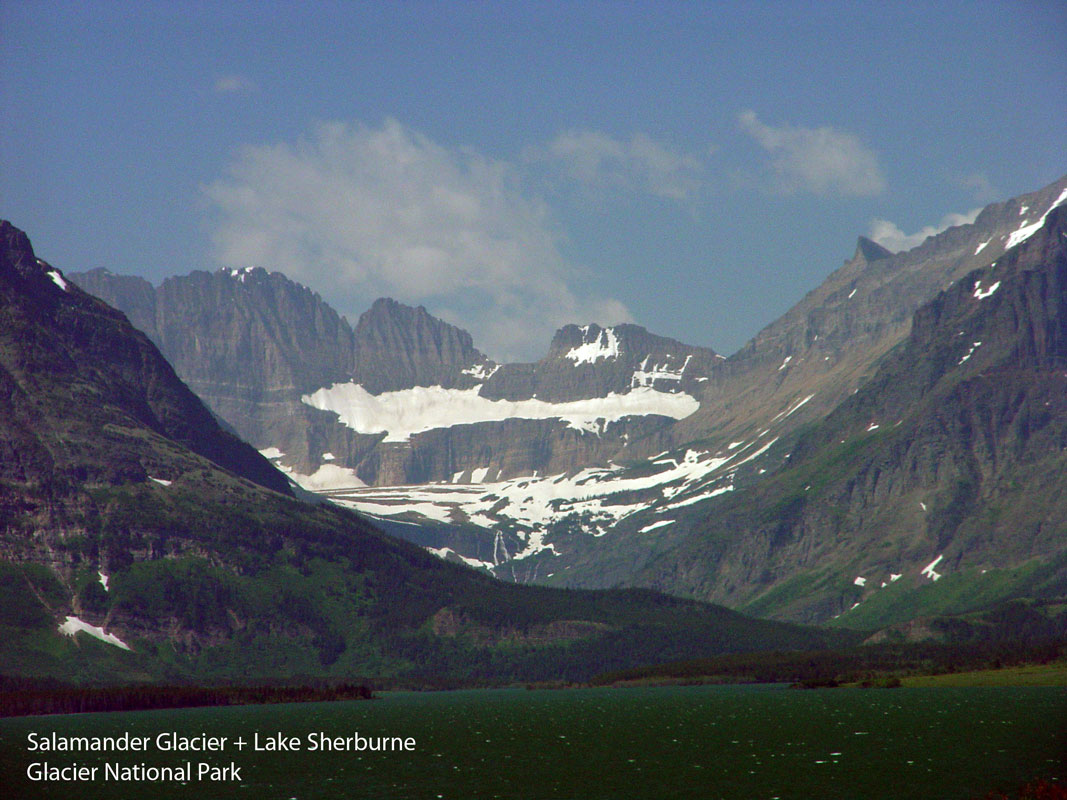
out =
column 228, row 84
column 891, row 237
column 357, row 212
column 820, row 160
column 640, row 165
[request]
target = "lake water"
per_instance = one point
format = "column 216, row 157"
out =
column 693, row 742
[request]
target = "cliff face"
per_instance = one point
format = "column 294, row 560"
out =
column 257, row 346
column 398, row 347
column 249, row 334
column 250, row 344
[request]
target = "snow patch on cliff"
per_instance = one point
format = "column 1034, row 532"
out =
column 482, row 372
column 445, row 552
column 654, row 525
column 403, row 413
column 928, row 570
column 325, row 478
column 1026, row 230
column 605, row 345
column 593, row 500
column 57, row 279
column 647, row 376
column 970, row 352
column 74, row 624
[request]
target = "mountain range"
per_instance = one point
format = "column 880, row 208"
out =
column 791, row 479
column 140, row 539
column 888, row 458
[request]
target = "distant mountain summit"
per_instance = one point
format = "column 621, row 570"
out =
column 589, row 361
column 397, row 347
column 826, row 346
column 235, row 335
column 868, row 250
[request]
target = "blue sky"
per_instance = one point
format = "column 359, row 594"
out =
column 694, row 168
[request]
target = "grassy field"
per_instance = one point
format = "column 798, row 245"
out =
column 1028, row 675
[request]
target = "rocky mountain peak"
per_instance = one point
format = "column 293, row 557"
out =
column 868, row 250
column 385, row 313
column 248, row 342
column 589, row 344
column 132, row 295
column 28, row 281
column 17, row 254
column 585, row 343
column 250, row 328
column 400, row 346
column 244, row 273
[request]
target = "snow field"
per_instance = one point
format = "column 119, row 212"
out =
column 403, row 413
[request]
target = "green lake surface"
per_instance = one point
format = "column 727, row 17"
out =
column 674, row 742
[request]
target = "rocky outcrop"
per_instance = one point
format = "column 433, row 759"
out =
column 397, row 347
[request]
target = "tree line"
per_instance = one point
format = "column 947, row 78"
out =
column 27, row 696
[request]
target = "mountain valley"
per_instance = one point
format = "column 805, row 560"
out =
column 141, row 540
column 620, row 456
